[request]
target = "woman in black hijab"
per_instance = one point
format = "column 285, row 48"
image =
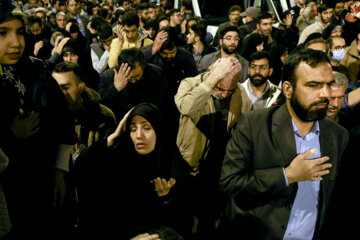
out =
column 135, row 180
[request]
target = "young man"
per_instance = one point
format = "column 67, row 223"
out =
column 282, row 163
column 324, row 13
column 259, row 89
column 196, row 43
column 229, row 41
column 130, row 35
column 100, row 50
column 94, row 121
column 234, row 20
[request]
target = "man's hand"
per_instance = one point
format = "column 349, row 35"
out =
column 146, row 236
column 60, row 45
column 68, row 25
column 222, row 68
column 121, row 77
column 162, row 187
column 91, row 29
column 59, row 188
column 303, row 169
column 25, row 127
column 37, row 47
column 161, row 37
column 288, row 20
column 120, row 35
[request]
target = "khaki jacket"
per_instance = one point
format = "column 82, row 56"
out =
column 194, row 100
column 352, row 61
column 115, row 48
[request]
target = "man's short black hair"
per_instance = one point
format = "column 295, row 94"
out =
column 336, row 2
column 31, row 20
column 64, row 67
column 199, row 30
column 309, row 56
column 234, row 8
column 131, row 18
column 104, row 30
column 323, row 7
column 172, row 38
column 228, row 29
column 260, row 55
column 263, row 15
column 142, row 6
column 131, row 56
column 173, row 11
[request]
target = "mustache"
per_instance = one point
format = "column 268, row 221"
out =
column 325, row 100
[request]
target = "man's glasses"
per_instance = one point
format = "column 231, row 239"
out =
column 261, row 67
column 229, row 38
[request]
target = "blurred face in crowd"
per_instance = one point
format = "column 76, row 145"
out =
column 136, row 73
column 70, row 57
column 339, row 8
column 309, row 98
column 163, row 23
column 142, row 135
column 127, row 5
column 229, row 42
column 265, row 26
column 259, row 71
column 71, row 87
column 167, row 54
column 131, row 32
column 336, row 32
column 12, row 41
column 36, row 29
column 325, row 16
column 191, row 37
column 151, row 32
column 300, row 2
column 63, row 8
column 95, row 10
column 72, row 7
column 234, row 17
column 152, row 13
column 144, row 15
column 61, row 21
column 336, row 100
column 313, row 12
column 42, row 16
column 176, row 18
column 107, row 42
column 33, row 3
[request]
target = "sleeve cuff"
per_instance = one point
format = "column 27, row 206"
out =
column 286, row 180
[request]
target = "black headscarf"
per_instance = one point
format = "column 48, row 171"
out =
column 158, row 162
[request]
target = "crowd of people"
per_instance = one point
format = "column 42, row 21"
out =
column 128, row 119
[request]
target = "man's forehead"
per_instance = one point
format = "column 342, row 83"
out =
column 321, row 72
column 266, row 20
column 231, row 33
column 132, row 27
column 338, row 90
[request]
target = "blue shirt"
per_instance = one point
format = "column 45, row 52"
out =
column 304, row 212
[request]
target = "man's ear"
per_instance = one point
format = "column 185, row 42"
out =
column 287, row 89
column 82, row 86
column 197, row 39
column 270, row 71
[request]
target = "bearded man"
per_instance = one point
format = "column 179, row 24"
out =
column 281, row 164
column 259, row 89
column 229, row 41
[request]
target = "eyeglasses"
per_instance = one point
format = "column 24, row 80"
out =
column 229, row 38
column 261, row 67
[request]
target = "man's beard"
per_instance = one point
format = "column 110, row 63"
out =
column 227, row 50
column 258, row 82
column 305, row 114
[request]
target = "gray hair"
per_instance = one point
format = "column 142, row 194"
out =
column 340, row 79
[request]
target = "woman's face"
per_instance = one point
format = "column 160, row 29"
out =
column 12, row 41
column 143, row 135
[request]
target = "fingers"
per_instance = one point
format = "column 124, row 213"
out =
column 308, row 153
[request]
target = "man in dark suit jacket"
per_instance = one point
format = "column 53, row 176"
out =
column 281, row 164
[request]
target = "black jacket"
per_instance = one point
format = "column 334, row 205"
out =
column 150, row 88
